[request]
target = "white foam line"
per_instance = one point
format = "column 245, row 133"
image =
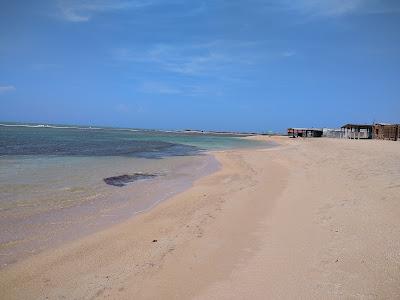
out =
column 49, row 126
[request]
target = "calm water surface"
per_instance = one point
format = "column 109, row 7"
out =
column 51, row 178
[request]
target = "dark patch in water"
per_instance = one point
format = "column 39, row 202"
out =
column 123, row 180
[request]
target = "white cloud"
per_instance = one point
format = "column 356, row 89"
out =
column 176, row 88
column 332, row 8
column 84, row 10
column 7, row 88
column 217, row 60
column 326, row 7
column 191, row 59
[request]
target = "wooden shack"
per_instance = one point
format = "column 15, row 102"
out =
column 304, row 132
column 357, row 131
column 332, row 132
column 383, row 131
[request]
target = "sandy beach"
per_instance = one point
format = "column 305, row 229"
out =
column 309, row 219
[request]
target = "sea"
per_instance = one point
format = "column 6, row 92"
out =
column 60, row 182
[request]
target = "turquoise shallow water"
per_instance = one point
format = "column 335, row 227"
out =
column 52, row 187
column 25, row 139
column 45, row 164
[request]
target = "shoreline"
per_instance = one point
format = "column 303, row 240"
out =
column 58, row 226
column 294, row 221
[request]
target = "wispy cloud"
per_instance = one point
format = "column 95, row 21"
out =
column 177, row 88
column 334, row 8
column 198, row 68
column 7, row 88
column 184, row 59
column 84, row 10
column 325, row 7
column 190, row 59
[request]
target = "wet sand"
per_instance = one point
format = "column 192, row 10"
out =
column 313, row 218
column 31, row 224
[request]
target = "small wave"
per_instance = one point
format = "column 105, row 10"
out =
column 49, row 126
column 23, row 125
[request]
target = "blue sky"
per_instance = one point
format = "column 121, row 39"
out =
column 223, row 64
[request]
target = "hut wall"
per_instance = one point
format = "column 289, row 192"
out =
column 386, row 132
column 304, row 132
column 378, row 132
column 332, row 133
column 398, row 132
column 356, row 131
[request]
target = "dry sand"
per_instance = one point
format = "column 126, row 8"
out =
column 312, row 218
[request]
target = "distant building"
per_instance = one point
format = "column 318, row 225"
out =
column 384, row 131
column 380, row 131
column 332, row 132
column 357, row 131
column 304, row 132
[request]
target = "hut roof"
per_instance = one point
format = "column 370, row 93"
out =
column 309, row 129
column 384, row 124
column 359, row 126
